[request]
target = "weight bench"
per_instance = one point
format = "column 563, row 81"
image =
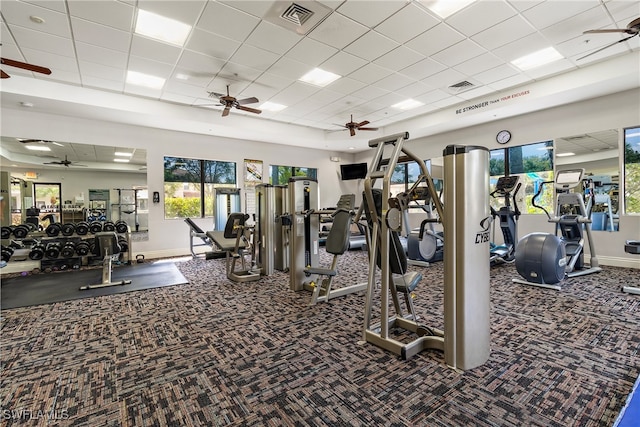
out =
column 196, row 232
column 234, row 243
column 107, row 247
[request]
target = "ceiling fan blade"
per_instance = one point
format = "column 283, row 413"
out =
column 215, row 95
column 612, row 30
column 251, row 100
column 352, row 131
column 367, row 128
column 25, row 66
column 26, row 141
column 4, row 75
column 605, row 47
column 251, row 110
column 225, row 112
column 366, row 122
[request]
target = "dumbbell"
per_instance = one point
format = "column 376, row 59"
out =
column 95, row 227
column 82, row 228
column 52, row 250
column 68, row 249
column 6, row 232
column 37, row 251
column 68, row 229
column 7, row 252
column 109, row 226
column 83, row 248
column 124, row 245
column 21, row 231
column 53, row 230
column 121, row 226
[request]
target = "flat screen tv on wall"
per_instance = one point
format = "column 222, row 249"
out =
column 353, row 171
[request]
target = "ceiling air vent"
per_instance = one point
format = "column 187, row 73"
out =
column 461, row 87
column 300, row 17
column 296, row 14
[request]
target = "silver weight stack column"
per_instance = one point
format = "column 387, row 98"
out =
column 281, row 238
column 466, row 284
column 303, row 238
column 265, row 228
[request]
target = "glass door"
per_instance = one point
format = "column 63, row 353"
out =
column 47, row 199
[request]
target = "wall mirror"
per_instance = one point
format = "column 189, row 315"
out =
column 96, row 182
column 598, row 154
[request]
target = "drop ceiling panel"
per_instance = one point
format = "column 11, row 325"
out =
column 369, row 13
column 516, row 28
column 550, row 12
column 254, row 57
column 101, row 55
column 227, row 21
column 459, row 53
column 42, row 41
column 211, row 44
column 370, row 73
column 370, row 46
column 423, row 69
column 338, row 31
column 273, row 38
column 19, row 13
column 407, row 23
column 399, row 58
column 311, row 52
column 110, row 13
column 57, row 5
column 100, row 35
column 343, row 64
column 493, row 13
column 435, row 40
column 144, row 47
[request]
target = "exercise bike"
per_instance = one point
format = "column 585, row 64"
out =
column 544, row 259
column 507, row 187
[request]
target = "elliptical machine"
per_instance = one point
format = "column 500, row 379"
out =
column 544, row 259
column 507, row 187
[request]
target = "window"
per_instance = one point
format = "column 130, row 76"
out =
column 632, row 170
column 189, row 186
column 534, row 164
column 279, row 175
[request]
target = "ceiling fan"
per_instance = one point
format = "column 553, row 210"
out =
column 353, row 126
column 40, row 141
column 633, row 28
column 23, row 65
column 66, row 163
column 229, row 102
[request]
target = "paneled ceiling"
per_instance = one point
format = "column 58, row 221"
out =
column 385, row 52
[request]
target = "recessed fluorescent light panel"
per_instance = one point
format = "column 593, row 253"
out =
column 537, row 59
column 409, row 104
column 121, row 160
column 37, row 147
column 319, row 77
column 160, row 28
column 146, row 80
column 445, row 8
column 565, row 154
column 272, row 106
column 119, row 153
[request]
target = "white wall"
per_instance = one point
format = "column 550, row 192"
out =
column 170, row 237
column 615, row 111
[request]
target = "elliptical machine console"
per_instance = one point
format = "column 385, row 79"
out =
column 544, row 259
column 507, row 187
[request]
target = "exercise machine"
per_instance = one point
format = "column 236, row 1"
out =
column 544, row 259
column 466, row 336
column 235, row 241
column 337, row 243
column 632, row 247
column 108, row 247
column 195, row 232
column 424, row 244
column 507, row 187
column 305, row 272
column 271, row 229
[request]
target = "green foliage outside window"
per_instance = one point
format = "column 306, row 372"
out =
column 632, row 170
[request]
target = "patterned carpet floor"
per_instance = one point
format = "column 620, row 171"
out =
column 217, row 353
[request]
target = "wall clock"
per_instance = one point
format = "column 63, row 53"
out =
column 503, row 137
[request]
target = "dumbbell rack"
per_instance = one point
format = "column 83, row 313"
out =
column 57, row 252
